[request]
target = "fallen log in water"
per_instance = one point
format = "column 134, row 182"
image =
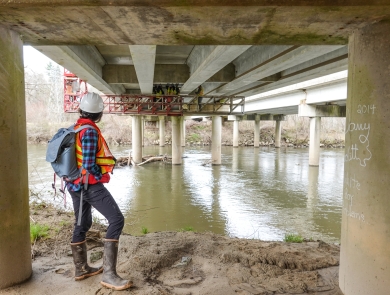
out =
column 126, row 161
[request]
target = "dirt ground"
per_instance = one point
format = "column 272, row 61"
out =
column 182, row 263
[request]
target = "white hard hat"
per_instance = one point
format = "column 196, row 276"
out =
column 92, row 102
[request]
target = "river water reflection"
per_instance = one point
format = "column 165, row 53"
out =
column 259, row 193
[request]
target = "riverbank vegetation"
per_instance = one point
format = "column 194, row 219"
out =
column 117, row 131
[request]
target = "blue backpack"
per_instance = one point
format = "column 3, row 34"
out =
column 61, row 153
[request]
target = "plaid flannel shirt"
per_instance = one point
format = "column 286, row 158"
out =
column 89, row 145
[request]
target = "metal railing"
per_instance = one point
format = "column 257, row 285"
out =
column 168, row 105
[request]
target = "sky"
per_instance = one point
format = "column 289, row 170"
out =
column 34, row 60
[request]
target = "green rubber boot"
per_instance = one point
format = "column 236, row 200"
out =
column 83, row 270
column 110, row 278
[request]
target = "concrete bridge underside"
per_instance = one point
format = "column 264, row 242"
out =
column 126, row 46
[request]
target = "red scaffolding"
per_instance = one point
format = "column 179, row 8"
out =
column 137, row 104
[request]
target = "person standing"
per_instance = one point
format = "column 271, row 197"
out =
column 95, row 162
column 199, row 94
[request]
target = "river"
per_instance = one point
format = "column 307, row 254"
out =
column 261, row 193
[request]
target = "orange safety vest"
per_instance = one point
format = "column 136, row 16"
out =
column 104, row 158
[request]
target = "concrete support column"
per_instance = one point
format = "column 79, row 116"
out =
column 314, row 147
column 161, row 126
column 143, row 129
column 278, row 133
column 235, row 133
column 176, row 142
column 365, row 229
column 183, row 131
column 216, row 140
column 15, row 247
column 256, row 138
column 137, row 139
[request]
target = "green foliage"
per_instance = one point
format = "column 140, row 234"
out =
column 201, row 127
column 187, row 228
column 144, row 230
column 194, row 137
column 38, row 231
column 293, row 238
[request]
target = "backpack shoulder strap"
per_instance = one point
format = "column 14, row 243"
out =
column 82, row 127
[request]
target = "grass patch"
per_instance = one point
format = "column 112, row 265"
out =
column 144, row 230
column 38, row 231
column 187, row 228
column 293, row 238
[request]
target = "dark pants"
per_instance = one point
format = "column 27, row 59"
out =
column 100, row 198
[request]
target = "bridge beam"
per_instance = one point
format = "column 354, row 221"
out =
column 288, row 57
column 329, row 63
column 15, row 247
column 85, row 62
column 305, row 110
column 144, row 57
column 205, row 61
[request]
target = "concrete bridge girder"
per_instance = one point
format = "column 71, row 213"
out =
column 305, row 110
column 215, row 67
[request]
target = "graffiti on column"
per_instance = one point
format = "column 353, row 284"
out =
column 352, row 186
column 359, row 151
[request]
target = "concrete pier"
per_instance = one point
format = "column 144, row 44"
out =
column 365, row 230
column 143, row 130
column 278, row 133
column 216, row 140
column 314, row 147
column 235, row 133
column 136, row 138
column 256, row 137
column 183, row 131
column 176, row 141
column 15, row 247
column 161, row 129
